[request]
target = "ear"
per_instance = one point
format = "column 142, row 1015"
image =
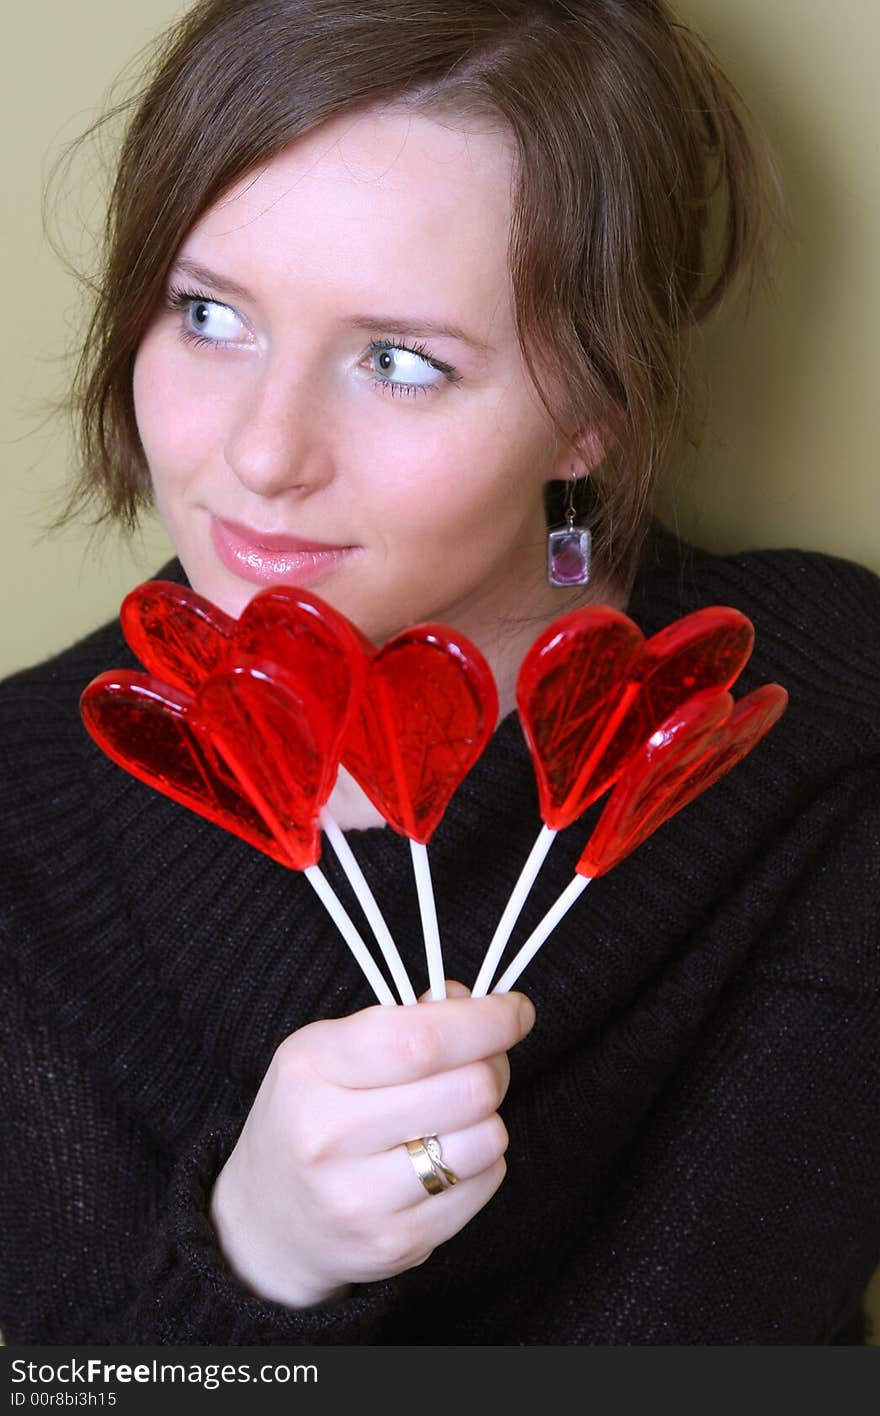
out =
column 590, row 446
column 593, row 444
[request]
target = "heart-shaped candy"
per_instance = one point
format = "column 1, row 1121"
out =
column 703, row 651
column 571, row 694
column 428, row 710
column 698, row 743
column 591, row 689
column 316, row 648
column 281, row 745
column 150, row 729
column 250, row 752
column 182, row 638
column 706, row 649
column 179, row 636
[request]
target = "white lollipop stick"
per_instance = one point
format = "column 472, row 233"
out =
column 368, row 904
column 428, row 910
column 539, row 934
column 512, row 910
column 341, row 919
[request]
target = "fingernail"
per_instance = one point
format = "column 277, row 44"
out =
column 526, row 1013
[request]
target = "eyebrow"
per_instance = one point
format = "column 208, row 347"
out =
column 398, row 323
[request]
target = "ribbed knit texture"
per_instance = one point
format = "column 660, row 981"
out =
column 694, row 1120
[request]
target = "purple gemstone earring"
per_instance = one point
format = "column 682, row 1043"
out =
column 568, row 550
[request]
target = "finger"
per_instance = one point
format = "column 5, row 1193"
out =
column 467, row 1153
column 419, row 1229
column 449, row 1101
column 395, row 1240
column 381, row 1047
column 388, row 1182
column 454, row 989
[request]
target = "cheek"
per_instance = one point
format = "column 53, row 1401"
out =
column 473, row 482
column 176, row 426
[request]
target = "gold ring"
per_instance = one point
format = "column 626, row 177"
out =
column 427, row 1161
column 432, row 1146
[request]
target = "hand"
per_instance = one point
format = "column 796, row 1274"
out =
column 319, row 1191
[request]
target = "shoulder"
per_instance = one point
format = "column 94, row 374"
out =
column 39, row 705
column 800, row 816
column 40, row 726
column 808, row 600
column 66, row 806
column 809, row 597
column 817, row 629
column 54, row 678
column 59, row 679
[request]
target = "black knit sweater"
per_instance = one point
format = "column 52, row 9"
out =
column 694, row 1120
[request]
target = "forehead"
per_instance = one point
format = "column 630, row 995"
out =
column 384, row 200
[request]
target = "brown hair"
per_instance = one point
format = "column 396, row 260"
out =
column 628, row 134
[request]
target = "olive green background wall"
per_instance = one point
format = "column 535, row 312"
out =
column 791, row 455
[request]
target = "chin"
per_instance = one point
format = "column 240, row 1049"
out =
column 230, row 597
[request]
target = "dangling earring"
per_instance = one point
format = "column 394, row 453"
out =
column 568, row 550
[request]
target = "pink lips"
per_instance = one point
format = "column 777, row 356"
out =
column 269, row 559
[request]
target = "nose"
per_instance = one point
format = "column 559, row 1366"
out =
column 277, row 442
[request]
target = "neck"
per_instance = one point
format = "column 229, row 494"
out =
column 508, row 645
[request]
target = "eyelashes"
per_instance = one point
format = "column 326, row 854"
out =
column 378, row 345
column 179, row 301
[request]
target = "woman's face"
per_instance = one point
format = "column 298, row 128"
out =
column 305, row 417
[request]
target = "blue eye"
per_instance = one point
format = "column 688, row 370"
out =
column 204, row 313
column 415, row 356
column 204, row 321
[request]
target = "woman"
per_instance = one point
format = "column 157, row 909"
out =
column 375, row 282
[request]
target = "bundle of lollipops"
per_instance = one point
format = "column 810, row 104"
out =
column 247, row 722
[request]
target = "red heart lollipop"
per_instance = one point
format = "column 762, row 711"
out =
column 697, row 744
column 182, row 638
column 279, row 742
column 150, row 729
column 704, row 650
column 178, row 636
column 315, row 647
column 428, row 710
column 571, row 693
column 591, row 689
